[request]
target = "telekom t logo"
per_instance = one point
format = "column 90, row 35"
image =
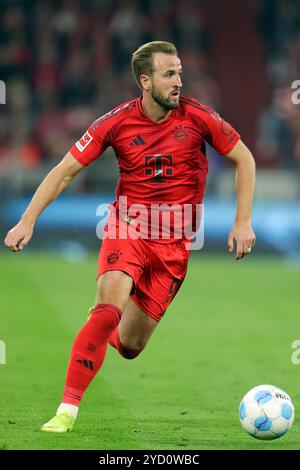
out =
column 160, row 166
column 2, row 92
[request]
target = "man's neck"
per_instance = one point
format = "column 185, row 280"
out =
column 153, row 111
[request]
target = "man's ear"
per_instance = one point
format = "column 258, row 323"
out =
column 145, row 82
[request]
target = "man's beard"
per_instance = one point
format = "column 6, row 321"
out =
column 164, row 103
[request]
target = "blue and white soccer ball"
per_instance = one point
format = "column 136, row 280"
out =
column 266, row 412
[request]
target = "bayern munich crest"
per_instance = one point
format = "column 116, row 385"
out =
column 113, row 257
column 181, row 133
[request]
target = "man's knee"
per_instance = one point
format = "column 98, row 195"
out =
column 129, row 352
column 113, row 287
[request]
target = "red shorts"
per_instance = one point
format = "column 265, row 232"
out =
column 157, row 269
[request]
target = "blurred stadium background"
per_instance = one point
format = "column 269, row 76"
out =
column 67, row 62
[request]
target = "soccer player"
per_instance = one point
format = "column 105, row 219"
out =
column 159, row 140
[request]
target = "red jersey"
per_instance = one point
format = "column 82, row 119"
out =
column 158, row 162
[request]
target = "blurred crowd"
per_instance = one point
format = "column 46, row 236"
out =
column 67, row 62
column 278, row 140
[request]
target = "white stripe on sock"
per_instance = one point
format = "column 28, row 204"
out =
column 72, row 409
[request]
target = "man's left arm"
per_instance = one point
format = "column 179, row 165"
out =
column 242, row 232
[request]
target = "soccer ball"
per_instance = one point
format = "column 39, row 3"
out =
column 266, row 412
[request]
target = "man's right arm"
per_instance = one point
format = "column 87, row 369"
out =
column 50, row 188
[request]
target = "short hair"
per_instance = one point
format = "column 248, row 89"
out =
column 142, row 62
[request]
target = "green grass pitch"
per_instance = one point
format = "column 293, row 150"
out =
column 230, row 328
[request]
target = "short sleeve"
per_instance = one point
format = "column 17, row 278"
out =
column 92, row 144
column 220, row 134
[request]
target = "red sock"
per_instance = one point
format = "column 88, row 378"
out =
column 88, row 351
column 114, row 341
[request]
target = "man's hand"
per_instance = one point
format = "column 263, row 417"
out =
column 243, row 235
column 18, row 237
column 50, row 188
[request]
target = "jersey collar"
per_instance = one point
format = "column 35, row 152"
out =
column 144, row 116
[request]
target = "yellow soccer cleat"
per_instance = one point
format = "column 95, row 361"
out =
column 61, row 423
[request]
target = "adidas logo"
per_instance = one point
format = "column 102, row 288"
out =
column 138, row 140
column 85, row 363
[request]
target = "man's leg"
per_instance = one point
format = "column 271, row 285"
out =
column 133, row 332
column 89, row 348
column 153, row 294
